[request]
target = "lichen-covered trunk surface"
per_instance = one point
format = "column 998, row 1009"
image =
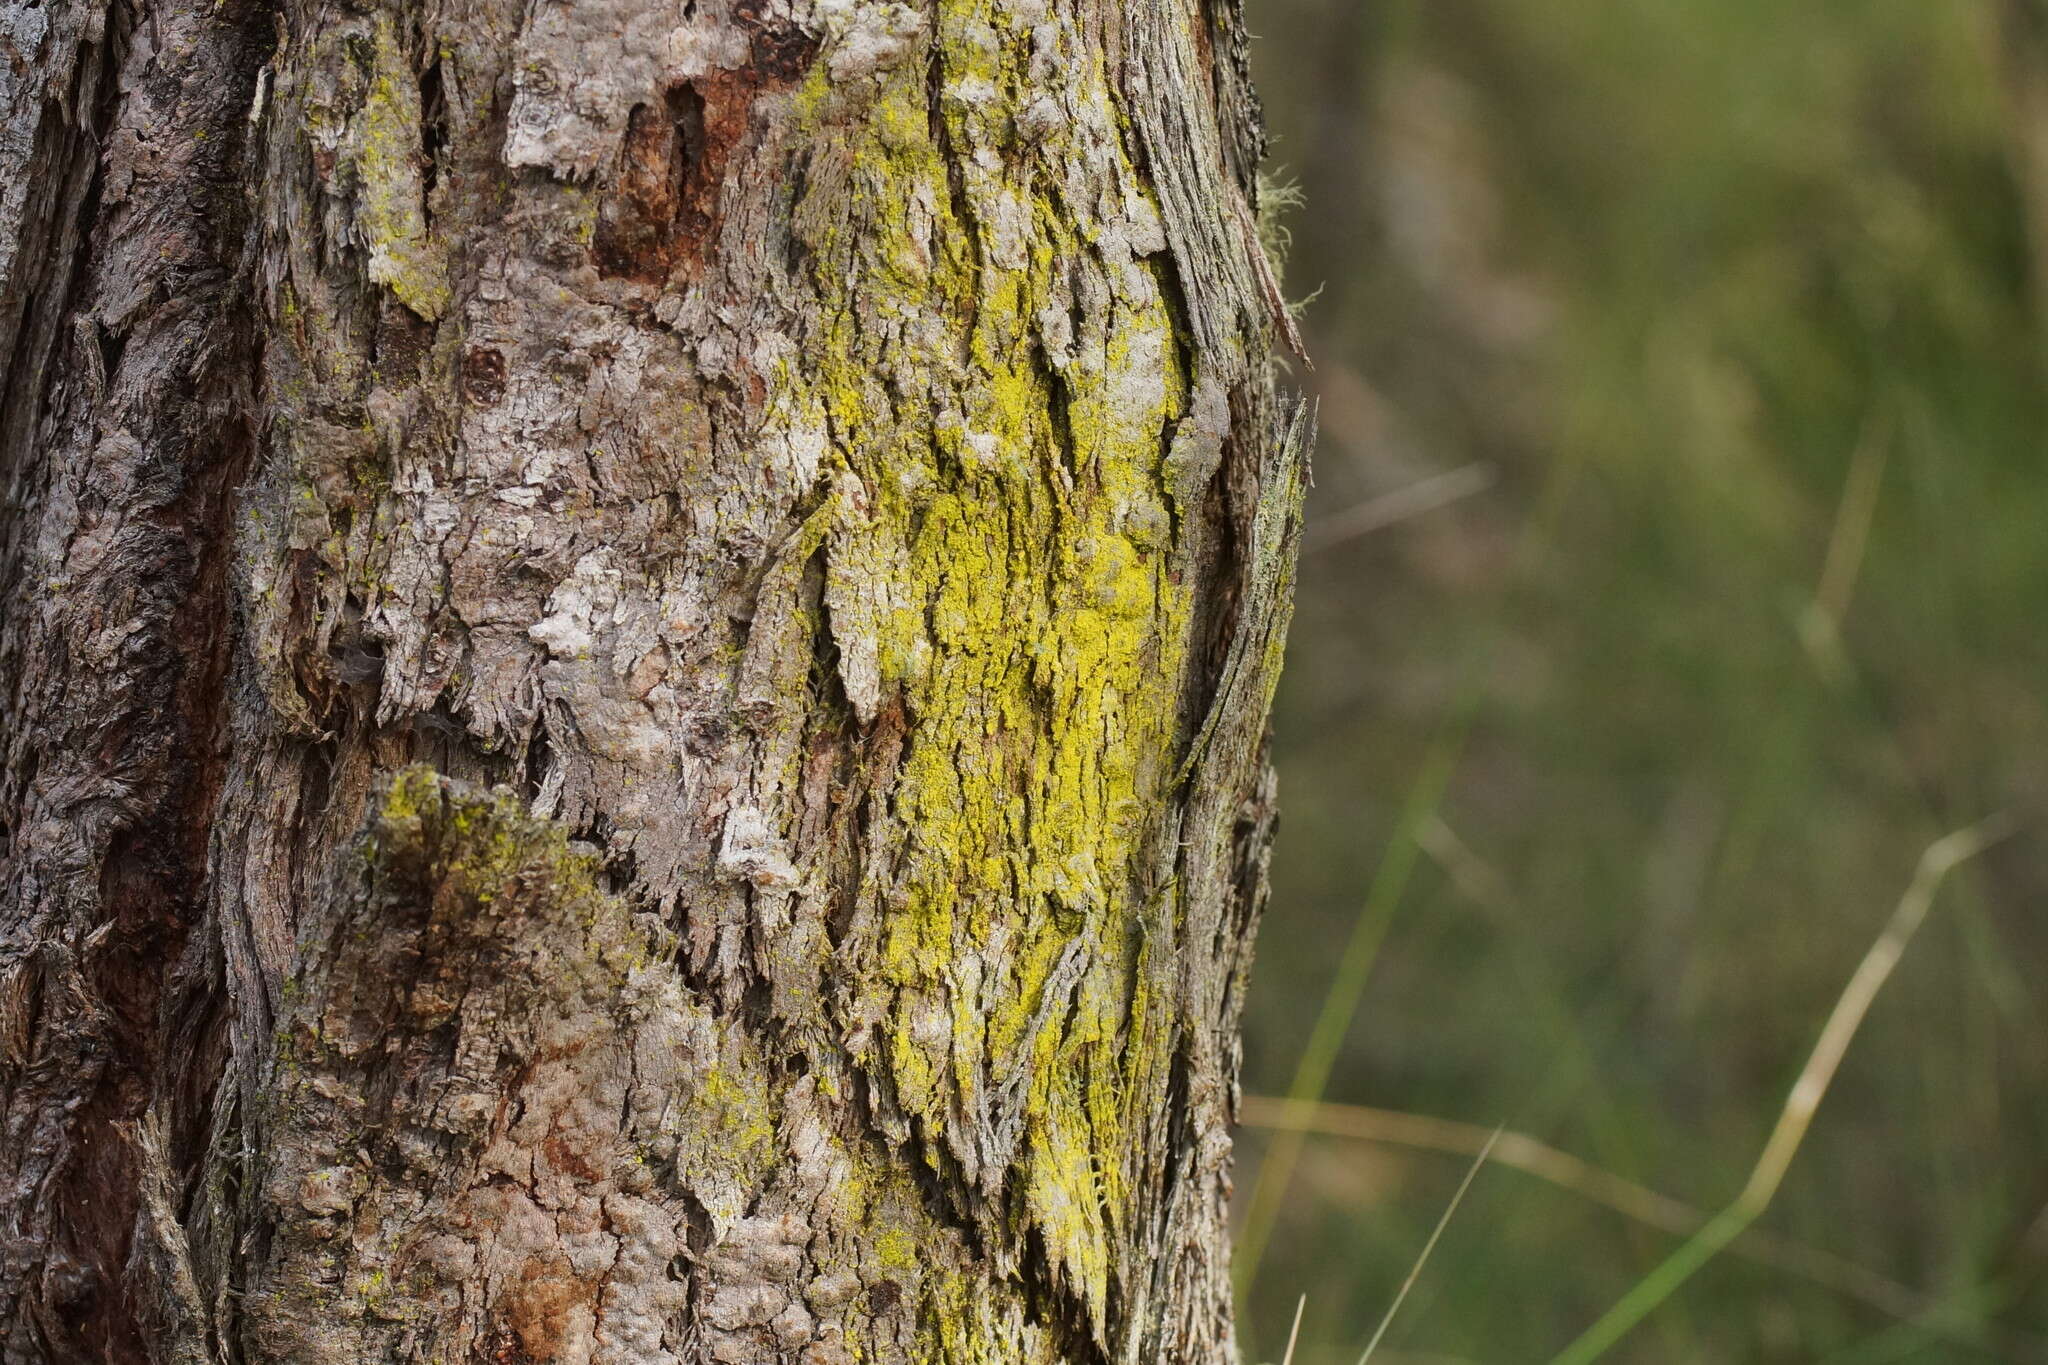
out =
column 636, row 645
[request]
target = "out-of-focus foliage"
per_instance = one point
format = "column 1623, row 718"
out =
column 1680, row 273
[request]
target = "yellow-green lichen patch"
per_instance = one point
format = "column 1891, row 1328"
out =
column 999, row 371
column 492, row 870
column 896, row 1258
column 386, row 149
column 723, row 1129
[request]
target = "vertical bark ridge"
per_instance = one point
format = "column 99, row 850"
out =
column 126, row 426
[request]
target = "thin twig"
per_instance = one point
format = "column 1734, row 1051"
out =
column 1415, row 1271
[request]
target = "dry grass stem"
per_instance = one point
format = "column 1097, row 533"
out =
column 1533, row 1157
column 1294, row 1333
column 1941, row 858
column 1401, row 504
column 1415, row 1271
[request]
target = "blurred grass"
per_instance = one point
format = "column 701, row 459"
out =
column 1678, row 261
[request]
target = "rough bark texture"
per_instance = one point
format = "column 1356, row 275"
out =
column 636, row 654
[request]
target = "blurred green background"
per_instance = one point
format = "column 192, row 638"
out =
column 1681, row 502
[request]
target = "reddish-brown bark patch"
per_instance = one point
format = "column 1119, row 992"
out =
column 663, row 207
column 540, row 1311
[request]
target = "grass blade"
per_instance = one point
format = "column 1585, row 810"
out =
column 1941, row 858
column 1415, row 1271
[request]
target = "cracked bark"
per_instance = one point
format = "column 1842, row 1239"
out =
column 636, row 651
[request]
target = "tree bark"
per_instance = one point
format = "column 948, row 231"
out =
column 636, row 653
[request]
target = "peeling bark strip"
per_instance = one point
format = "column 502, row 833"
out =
column 650, row 746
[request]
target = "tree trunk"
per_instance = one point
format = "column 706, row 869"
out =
column 636, row 649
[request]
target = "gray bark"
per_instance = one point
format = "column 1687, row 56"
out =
column 636, row 652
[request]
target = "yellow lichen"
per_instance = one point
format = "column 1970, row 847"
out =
column 390, row 209
column 1014, row 522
